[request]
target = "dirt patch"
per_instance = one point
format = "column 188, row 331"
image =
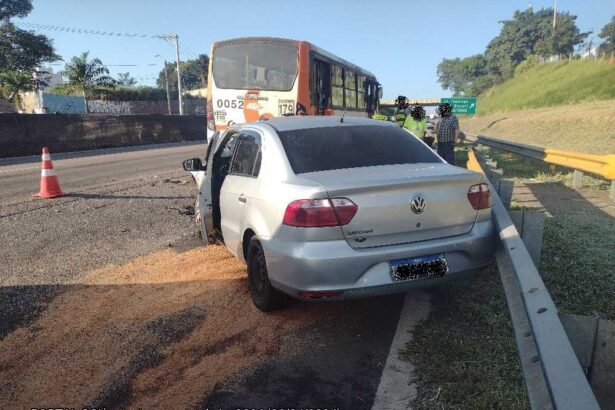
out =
column 159, row 331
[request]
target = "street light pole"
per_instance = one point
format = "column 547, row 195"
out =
column 175, row 37
column 166, row 80
column 179, row 77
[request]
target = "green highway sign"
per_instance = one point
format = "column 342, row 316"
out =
column 461, row 105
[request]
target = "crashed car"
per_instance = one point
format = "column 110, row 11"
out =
column 338, row 208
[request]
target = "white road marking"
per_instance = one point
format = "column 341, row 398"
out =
column 19, row 169
column 396, row 390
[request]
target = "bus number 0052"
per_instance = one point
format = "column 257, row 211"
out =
column 230, row 104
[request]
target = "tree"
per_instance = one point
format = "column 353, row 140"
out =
column 529, row 33
column 13, row 82
column 21, row 51
column 194, row 74
column 608, row 34
column 87, row 76
column 126, row 80
column 468, row 76
column 14, row 8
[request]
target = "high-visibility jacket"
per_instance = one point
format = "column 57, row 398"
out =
column 380, row 117
column 400, row 118
column 418, row 128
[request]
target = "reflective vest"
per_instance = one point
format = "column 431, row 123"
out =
column 380, row 117
column 418, row 128
column 400, row 118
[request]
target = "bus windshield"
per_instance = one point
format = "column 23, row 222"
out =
column 271, row 67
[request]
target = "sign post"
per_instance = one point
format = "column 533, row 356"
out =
column 461, row 105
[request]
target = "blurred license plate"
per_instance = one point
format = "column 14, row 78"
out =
column 420, row 267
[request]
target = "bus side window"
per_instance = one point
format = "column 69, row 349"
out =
column 322, row 85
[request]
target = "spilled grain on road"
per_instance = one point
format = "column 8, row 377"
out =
column 158, row 331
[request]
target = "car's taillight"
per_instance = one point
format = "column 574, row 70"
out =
column 479, row 196
column 315, row 213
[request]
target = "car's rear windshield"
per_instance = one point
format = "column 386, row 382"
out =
column 323, row 149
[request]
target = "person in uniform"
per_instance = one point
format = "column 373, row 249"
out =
column 400, row 111
column 415, row 122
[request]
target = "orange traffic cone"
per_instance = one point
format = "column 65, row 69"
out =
column 50, row 188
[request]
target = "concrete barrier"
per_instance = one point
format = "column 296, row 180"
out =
column 25, row 134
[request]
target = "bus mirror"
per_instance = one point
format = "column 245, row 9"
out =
column 380, row 92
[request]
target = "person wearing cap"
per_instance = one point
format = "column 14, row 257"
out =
column 400, row 111
column 448, row 132
column 415, row 122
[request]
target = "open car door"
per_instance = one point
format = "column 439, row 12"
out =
column 202, row 176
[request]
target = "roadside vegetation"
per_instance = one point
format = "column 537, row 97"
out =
column 578, row 251
column 465, row 353
column 585, row 127
column 551, row 84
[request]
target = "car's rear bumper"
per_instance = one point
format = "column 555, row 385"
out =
column 327, row 266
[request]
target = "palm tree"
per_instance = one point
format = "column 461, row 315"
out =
column 14, row 82
column 87, row 76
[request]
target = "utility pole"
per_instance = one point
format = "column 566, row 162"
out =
column 166, row 80
column 554, row 13
column 175, row 38
column 179, row 77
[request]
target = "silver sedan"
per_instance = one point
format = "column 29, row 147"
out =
column 331, row 208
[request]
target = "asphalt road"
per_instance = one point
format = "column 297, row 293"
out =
column 113, row 281
column 19, row 179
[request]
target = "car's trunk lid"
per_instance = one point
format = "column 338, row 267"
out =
column 384, row 195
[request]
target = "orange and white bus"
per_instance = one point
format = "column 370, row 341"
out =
column 259, row 77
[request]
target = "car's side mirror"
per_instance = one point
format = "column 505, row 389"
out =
column 193, row 164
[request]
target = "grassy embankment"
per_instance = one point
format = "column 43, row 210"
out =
column 566, row 105
column 465, row 352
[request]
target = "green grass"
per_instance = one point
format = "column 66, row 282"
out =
column 552, row 84
column 578, row 249
column 465, row 352
column 578, row 263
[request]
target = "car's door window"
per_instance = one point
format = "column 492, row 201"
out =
column 211, row 144
column 247, row 160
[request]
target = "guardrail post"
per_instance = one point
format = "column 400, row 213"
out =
column 577, row 179
column 612, row 190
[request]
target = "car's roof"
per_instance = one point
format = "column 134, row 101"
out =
column 307, row 121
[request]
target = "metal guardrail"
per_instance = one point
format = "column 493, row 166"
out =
column 601, row 165
column 552, row 373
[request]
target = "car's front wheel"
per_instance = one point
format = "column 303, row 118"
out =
column 264, row 296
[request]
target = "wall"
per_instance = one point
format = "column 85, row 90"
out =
column 191, row 106
column 26, row 134
column 63, row 104
column 6, row 106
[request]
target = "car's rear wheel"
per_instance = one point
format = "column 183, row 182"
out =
column 264, row 295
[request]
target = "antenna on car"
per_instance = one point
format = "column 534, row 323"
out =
column 345, row 108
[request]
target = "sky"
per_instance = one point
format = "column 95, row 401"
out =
column 401, row 41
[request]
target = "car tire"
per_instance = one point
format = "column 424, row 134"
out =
column 265, row 297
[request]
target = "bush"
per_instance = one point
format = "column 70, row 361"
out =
column 525, row 65
column 121, row 93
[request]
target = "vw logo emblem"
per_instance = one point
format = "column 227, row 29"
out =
column 417, row 204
